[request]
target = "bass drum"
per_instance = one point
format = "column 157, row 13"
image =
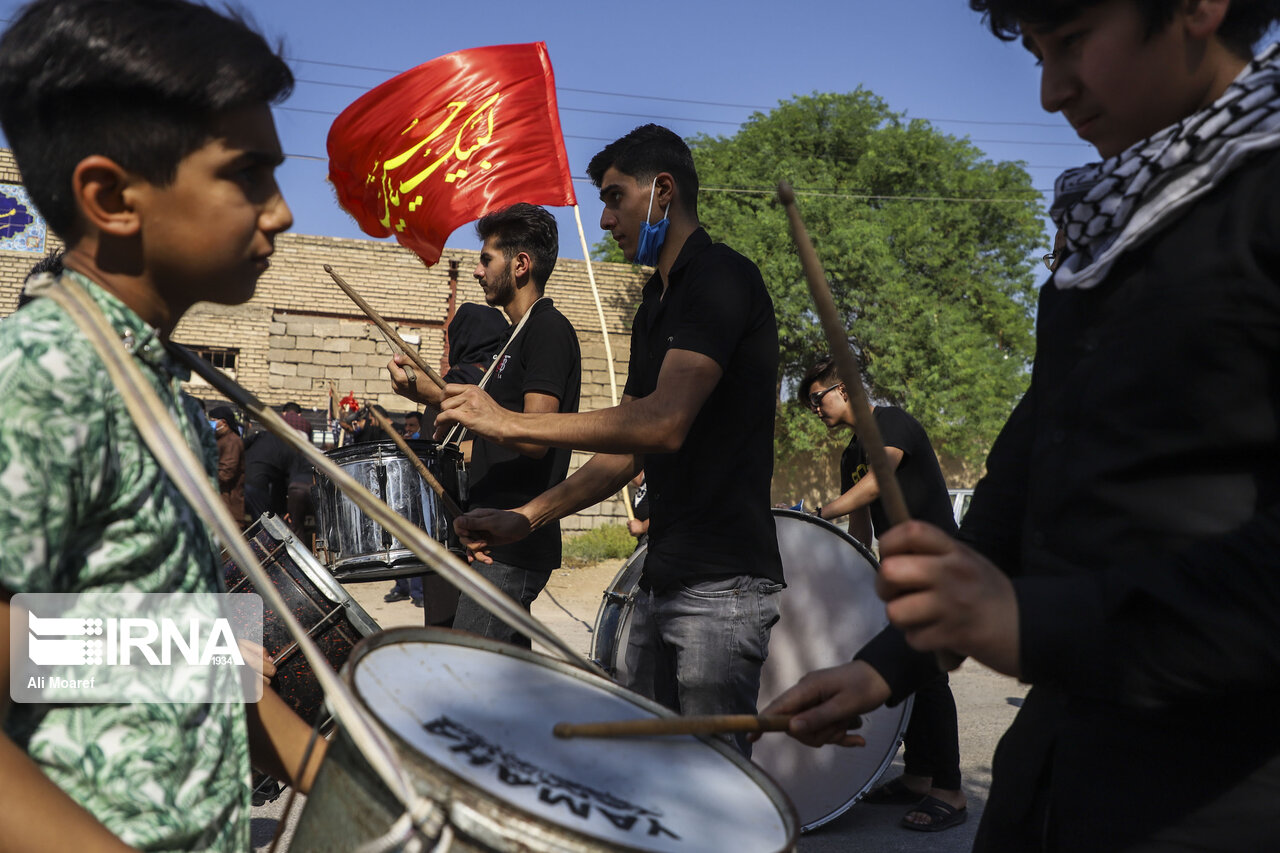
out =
column 828, row 611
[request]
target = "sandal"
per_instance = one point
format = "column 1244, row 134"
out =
column 941, row 815
column 893, row 792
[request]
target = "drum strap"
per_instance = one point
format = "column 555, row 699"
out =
column 171, row 451
column 458, row 429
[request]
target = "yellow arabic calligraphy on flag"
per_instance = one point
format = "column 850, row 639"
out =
column 446, row 142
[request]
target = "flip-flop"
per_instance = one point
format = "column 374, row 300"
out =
column 941, row 815
column 893, row 792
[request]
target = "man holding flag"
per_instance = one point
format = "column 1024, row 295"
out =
column 697, row 416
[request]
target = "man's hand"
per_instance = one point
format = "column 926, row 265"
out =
column 481, row 529
column 945, row 596
column 827, row 703
column 470, row 406
column 421, row 390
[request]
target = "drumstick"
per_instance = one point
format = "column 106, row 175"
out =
column 449, row 505
column 385, row 327
column 895, row 505
column 708, row 725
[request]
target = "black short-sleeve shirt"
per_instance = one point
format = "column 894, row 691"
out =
column 709, row 501
column 544, row 358
column 920, row 477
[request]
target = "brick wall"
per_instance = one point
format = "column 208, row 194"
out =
column 300, row 333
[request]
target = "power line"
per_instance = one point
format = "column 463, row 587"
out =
column 812, row 193
column 706, row 121
column 664, row 98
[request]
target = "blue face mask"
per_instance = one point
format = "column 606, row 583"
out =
column 213, row 424
column 652, row 236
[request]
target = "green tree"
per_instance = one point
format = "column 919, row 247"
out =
column 927, row 246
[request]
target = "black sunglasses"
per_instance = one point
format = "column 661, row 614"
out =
column 815, row 399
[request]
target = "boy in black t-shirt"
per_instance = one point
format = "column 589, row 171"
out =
column 540, row 370
column 930, row 781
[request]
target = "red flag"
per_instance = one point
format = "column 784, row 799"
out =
column 449, row 141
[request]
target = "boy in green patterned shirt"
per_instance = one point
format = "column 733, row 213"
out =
column 143, row 132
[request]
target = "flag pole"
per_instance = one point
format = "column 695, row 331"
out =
column 604, row 330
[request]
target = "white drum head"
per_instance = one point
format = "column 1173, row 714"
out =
column 829, row 610
column 485, row 716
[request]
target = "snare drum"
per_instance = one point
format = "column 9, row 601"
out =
column 471, row 722
column 828, row 610
column 354, row 546
column 330, row 616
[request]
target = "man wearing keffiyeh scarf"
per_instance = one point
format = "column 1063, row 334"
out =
column 1120, row 554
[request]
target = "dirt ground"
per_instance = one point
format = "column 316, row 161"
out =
column 567, row 606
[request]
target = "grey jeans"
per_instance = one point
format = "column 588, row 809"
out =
column 520, row 584
column 698, row 648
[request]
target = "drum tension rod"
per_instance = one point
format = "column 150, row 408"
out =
column 293, row 647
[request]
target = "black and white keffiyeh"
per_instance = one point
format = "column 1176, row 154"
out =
column 1109, row 207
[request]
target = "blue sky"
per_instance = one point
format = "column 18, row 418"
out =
column 695, row 66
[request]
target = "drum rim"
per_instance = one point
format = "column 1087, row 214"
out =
column 424, row 447
column 809, row 518
column 611, row 589
column 445, row 636
column 315, row 571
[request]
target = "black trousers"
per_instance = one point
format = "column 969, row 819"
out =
column 932, row 740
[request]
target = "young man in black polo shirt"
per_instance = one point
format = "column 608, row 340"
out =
column 930, row 781
column 539, row 371
column 697, row 416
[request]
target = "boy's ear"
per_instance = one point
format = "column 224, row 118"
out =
column 104, row 194
column 1204, row 17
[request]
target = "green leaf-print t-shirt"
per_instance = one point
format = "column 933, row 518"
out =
column 84, row 507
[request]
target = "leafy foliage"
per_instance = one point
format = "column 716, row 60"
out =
column 938, row 296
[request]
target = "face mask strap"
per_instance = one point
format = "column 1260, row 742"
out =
column 649, row 214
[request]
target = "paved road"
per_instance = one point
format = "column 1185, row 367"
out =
column 986, row 703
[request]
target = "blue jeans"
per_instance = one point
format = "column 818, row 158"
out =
column 698, row 648
column 412, row 585
column 519, row 584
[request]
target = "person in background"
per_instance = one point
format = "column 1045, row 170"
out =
column 413, row 424
column 930, row 781
column 277, row 478
column 230, row 460
column 538, row 372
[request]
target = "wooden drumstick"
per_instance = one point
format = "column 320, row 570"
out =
column 708, row 725
column 895, row 505
column 385, row 327
column 449, row 505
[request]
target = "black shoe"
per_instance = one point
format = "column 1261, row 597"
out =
column 395, row 595
column 265, row 790
column 417, row 602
